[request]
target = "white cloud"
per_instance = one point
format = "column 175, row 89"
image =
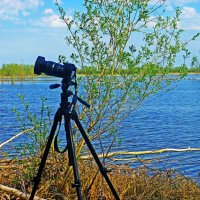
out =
column 171, row 4
column 181, row 2
column 33, row 3
column 190, row 19
column 189, row 12
column 151, row 22
column 11, row 9
column 25, row 13
column 52, row 20
column 48, row 11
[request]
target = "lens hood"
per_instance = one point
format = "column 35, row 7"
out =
column 38, row 65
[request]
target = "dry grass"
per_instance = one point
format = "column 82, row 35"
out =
column 130, row 184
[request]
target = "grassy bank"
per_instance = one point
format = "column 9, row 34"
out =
column 130, row 183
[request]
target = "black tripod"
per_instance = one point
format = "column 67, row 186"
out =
column 67, row 110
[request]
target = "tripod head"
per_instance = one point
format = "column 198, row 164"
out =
column 65, row 84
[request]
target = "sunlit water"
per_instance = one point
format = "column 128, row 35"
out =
column 166, row 120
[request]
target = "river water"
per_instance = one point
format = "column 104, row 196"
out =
column 166, row 120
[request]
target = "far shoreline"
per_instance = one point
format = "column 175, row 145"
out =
column 52, row 78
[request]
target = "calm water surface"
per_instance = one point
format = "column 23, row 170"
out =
column 167, row 120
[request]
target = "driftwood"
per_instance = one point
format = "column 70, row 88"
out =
column 137, row 153
column 14, row 137
column 17, row 193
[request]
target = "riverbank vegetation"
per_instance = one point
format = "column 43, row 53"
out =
column 17, row 71
column 21, row 71
column 133, row 184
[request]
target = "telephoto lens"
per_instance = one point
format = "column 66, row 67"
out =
column 66, row 70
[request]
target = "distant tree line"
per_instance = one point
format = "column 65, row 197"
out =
column 16, row 70
column 21, row 71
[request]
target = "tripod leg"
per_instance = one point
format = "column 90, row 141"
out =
column 95, row 156
column 72, row 156
column 46, row 152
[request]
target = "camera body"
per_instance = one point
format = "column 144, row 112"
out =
column 66, row 70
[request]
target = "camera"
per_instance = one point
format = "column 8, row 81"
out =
column 66, row 70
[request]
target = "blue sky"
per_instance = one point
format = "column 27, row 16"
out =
column 29, row 28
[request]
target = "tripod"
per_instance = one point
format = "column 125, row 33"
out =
column 67, row 110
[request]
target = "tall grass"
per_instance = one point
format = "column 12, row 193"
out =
column 131, row 184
